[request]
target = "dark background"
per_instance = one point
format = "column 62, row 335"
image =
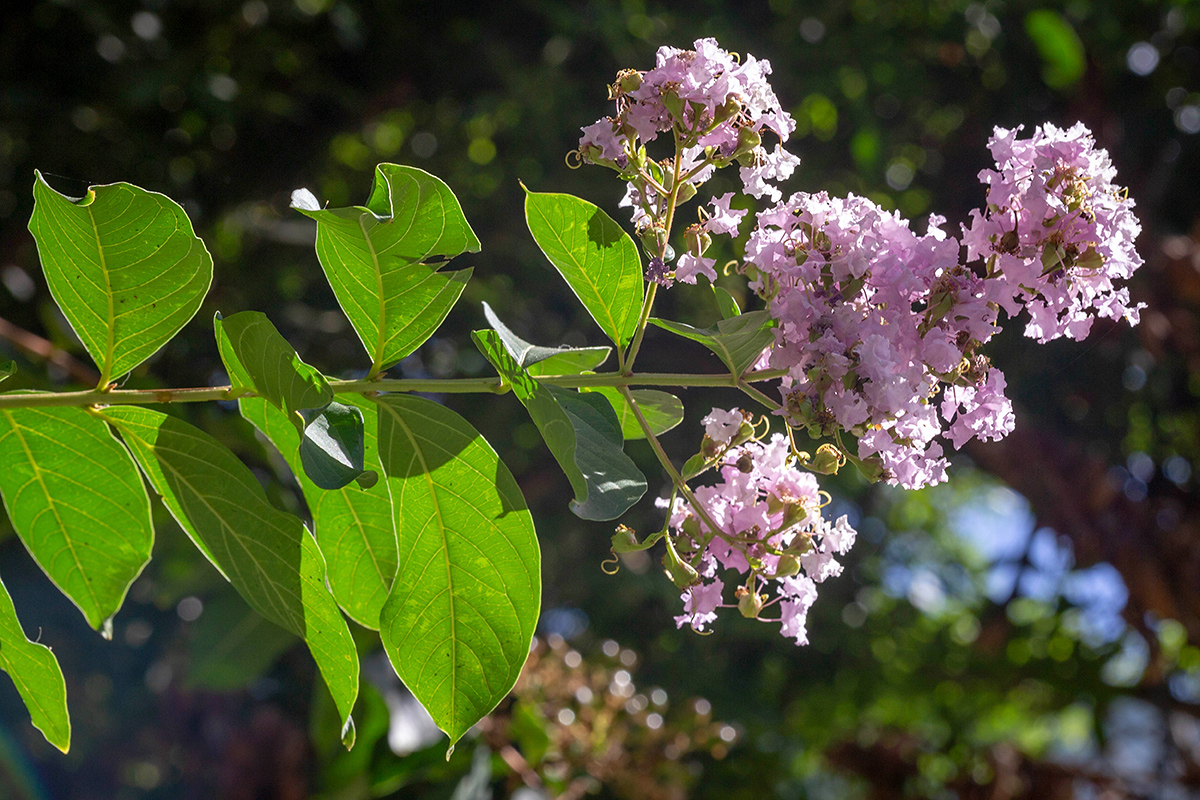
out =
column 1030, row 630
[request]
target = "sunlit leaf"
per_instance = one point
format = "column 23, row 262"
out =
column 726, row 303
column 75, row 498
column 355, row 526
column 379, row 259
column 738, row 341
column 582, row 432
column 35, row 672
column 662, row 410
column 461, row 615
column 257, row 357
column 267, row 555
column 594, row 254
column 546, row 360
column 125, row 267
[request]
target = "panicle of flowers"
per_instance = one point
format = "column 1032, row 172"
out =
column 762, row 520
column 1056, row 232
column 872, row 321
column 717, row 109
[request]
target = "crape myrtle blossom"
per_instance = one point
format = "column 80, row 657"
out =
column 872, row 320
column 716, row 107
column 1057, row 232
column 768, row 528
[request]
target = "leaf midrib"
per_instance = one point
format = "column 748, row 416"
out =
column 445, row 555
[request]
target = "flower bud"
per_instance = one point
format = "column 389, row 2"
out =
column 801, row 545
column 745, row 464
column 748, row 140
column 788, row 566
column 625, row 540
column 827, row 461
column 750, row 604
column 745, row 433
column 686, row 192
column 794, row 513
column 681, row 573
column 628, row 80
column 709, row 448
column 872, row 468
column 696, row 239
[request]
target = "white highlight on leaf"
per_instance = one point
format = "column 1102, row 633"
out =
column 305, row 200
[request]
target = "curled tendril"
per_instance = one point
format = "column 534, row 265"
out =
column 697, row 631
column 574, row 159
column 825, row 496
column 611, row 566
column 730, row 267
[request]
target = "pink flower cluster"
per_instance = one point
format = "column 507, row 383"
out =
column 717, row 108
column 767, row 526
column 872, row 320
column 875, row 321
column 1056, row 232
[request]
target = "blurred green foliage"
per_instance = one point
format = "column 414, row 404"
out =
column 949, row 689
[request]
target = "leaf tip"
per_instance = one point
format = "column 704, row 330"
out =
column 349, row 734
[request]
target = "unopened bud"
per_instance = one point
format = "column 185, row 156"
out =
column 681, row 573
column 827, row 460
column 794, row 513
column 691, row 526
column 750, row 604
column 788, row 566
column 697, row 239
column 801, row 545
column 872, row 468
column 625, row 540
column 745, row 433
column 748, row 140
column 628, row 80
column 745, row 463
column 686, row 192
column 709, row 448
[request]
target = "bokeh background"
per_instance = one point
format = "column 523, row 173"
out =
column 1030, row 630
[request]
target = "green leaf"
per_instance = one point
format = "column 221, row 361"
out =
column 7, row 370
column 125, row 267
column 662, row 410
column 355, row 526
column 582, row 432
column 38, row 678
column 1063, row 58
column 332, row 448
column 377, row 259
column 231, row 645
column 76, row 500
column 267, row 555
column 257, row 357
column 571, row 362
column 738, row 341
column 594, row 254
column 726, row 302
column 546, row 360
column 461, row 615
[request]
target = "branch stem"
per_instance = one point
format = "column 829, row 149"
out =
column 490, row 385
